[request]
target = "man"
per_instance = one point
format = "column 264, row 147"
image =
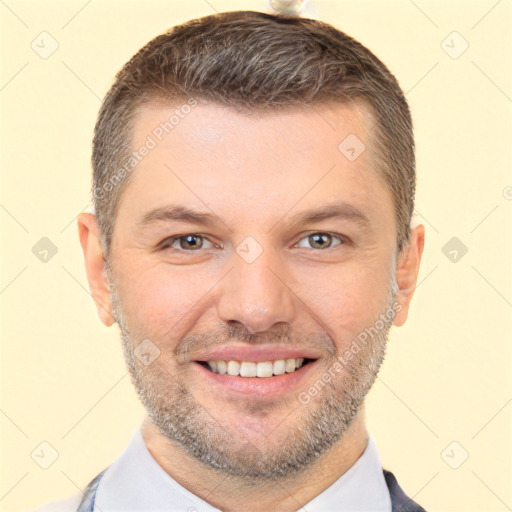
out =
column 253, row 183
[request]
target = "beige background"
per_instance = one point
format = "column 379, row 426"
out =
column 447, row 376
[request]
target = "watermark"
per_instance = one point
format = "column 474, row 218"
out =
column 146, row 352
column 454, row 249
column 356, row 346
column 44, row 455
column 249, row 249
column 45, row 45
column 454, row 45
column 156, row 136
column 44, row 250
column 351, row 147
column 455, row 455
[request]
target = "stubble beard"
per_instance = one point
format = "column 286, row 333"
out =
column 201, row 433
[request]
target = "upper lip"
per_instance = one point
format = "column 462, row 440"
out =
column 255, row 354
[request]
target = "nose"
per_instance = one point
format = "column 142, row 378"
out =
column 255, row 294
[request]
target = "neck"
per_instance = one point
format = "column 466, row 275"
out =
column 230, row 495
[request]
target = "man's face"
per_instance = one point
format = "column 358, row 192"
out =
column 257, row 282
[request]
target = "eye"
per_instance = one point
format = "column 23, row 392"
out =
column 320, row 241
column 190, row 242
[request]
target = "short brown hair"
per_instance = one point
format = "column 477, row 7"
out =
column 253, row 61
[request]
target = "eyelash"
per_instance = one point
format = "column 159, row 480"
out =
column 168, row 242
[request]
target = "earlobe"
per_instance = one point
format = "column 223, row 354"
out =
column 407, row 273
column 89, row 234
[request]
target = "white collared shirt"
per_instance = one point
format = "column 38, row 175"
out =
column 135, row 482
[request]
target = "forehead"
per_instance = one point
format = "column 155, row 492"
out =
column 252, row 167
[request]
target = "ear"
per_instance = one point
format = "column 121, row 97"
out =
column 89, row 233
column 407, row 272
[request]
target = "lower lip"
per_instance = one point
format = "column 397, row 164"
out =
column 259, row 386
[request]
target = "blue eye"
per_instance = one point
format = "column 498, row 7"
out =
column 320, row 241
column 191, row 242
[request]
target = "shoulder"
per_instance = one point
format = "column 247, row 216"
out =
column 399, row 500
column 69, row 504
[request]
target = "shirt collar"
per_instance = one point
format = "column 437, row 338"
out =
column 135, row 482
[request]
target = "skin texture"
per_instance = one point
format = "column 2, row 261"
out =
column 253, row 173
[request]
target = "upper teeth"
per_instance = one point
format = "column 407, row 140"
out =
column 259, row 369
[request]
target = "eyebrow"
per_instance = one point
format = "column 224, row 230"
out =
column 337, row 210
column 176, row 213
column 180, row 213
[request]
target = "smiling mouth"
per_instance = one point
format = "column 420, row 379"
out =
column 250, row 369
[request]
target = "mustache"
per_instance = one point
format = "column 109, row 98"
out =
column 197, row 343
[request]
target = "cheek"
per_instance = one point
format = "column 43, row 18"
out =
column 347, row 300
column 157, row 302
